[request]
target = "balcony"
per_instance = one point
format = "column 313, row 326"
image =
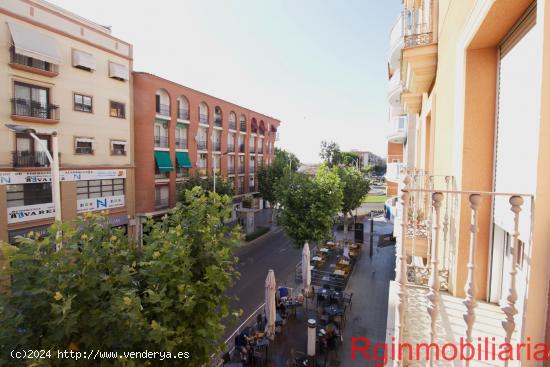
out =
column 396, row 43
column 32, row 65
column 202, row 144
column 181, row 143
column 243, row 126
column 230, row 148
column 398, row 130
column 419, row 57
column 163, row 110
column 394, row 89
column 251, row 169
column 30, row 159
column 393, row 171
column 217, row 146
column 32, row 111
column 161, row 203
column 241, row 169
column 424, row 306
column 252, row 189
column 203, row 119
column 183, row 114
column 161, row 142
column 241, row 148
column 260, row 150
column 162, row 175
column 232, row 125
column 252, row 150
column 218, row 122
column 230, row 170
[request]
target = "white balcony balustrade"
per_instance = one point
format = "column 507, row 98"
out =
column 397, row 130
column 427, row 232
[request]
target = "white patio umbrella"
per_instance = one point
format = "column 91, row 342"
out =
column 346, row 251
column 270, row 312
column 306, row 269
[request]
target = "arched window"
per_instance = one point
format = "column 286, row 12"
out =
column 254, row 126
column 218, row 116
column 262, row 127
column 162, row 103
column 183, row 108
column 232, row 121
column 203, row 113
column 243, row 123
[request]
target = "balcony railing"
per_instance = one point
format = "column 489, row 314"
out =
column 29, row 108
column 260, row 150
column 417, row 26
column 162, row 175
column 241, row 148
column 202, row 145
column 163, row 109
column 181, row 143
column 252, row 149
column 217, row 146
column 252, row 189
column 30, row 159
column 203, row 119
column 251, row 169
column 230, row 148
column 232, row 125
column 243, row 126
column 231, row 170
column 161, row 142
column 393, row 171
column 183, row 113
column 218, row 122
column 241, row 169
column 428, row 226
column 16, row 58
column 161, row 203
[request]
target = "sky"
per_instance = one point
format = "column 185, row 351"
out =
column 318, row 66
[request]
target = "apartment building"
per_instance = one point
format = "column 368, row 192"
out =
column 368, row 158
column 67, row 80
column 180, row 131
column 472, row 225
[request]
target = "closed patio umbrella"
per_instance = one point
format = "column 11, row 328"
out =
column 270, row 312
column 306, row 268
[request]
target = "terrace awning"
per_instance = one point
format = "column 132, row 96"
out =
column 182, row 159
column 32, row 43
column 164, row 163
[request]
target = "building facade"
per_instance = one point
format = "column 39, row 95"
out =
column 180, row 131
column 368, row 158
column 66, row 76
column 474, row 198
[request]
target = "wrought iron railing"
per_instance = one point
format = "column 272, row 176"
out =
column 183, row 113
column 181, row 143
column 161, row 141
column 202, row 144
column 161, row 203
column 163, row 109
column 19, row 59
column 203, row 119
column 30, row 108
column 232, row 125
column 218, row 122
column 217, row 146
column 30, row 159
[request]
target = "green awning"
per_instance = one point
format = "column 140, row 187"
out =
column 164, row 163
column 183, row 160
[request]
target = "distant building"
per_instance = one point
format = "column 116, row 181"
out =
column 309, row 169
column 368, row 158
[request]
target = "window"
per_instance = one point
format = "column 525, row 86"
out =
column 31, row 100
column 117, row 109
column 118, row 147
column 162, row 195
column 182, row 172
column 82, row 103
column 28, row 194
column 29, row 61
column 99, row 188
column 29, row 153
column 84, row 146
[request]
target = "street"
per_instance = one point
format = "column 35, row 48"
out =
column 272, row 251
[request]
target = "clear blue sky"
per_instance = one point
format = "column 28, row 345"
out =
column 319, row 66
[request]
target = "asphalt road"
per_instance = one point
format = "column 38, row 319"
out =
column 272, row 251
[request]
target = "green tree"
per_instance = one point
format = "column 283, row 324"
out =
column 100, row 292
column 355, row 186
column 269, row 175
column 309, row 205
column 330, row 153
column 223, row 186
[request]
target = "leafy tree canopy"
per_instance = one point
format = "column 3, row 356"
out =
column 309, row 205
column 100, row 292
column 333, row 156
column 269, row 175
column 355, row 186
column 223, row 186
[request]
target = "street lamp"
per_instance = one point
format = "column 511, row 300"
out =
column 53, row 158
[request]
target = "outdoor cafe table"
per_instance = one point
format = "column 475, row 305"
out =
column 333, row 310
column 323, row 249
column 329, row 293
column 343, row 262
column 339, row 272
column 316, row 258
